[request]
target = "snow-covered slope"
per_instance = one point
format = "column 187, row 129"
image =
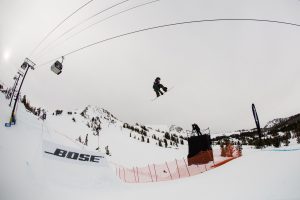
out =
column 25, row 173
column 103, row 130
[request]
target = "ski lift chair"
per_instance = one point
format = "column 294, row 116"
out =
column 57, row 66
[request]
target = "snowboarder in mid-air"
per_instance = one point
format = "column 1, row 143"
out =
column 157, row 86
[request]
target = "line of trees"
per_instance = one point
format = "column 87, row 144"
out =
column 36, row 111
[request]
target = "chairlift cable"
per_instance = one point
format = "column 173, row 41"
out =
column 102, row 20
column 56, row 27
column 169, row 25
column 81, row 22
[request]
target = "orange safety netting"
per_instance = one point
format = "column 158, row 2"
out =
column 179, row 168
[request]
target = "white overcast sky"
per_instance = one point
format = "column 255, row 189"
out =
column 217, row 69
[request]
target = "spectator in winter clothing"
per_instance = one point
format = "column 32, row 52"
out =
column 196, row 129
column 157, row 86
column 44, row 116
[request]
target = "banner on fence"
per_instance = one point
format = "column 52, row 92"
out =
column 72, row 155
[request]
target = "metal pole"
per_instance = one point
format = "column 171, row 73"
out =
column 137, row 173
column 150, row 173
column 169, row 170
column 257, row 123
column 14, row 89
column 17, row 97
column 155, row 172
column 18, row 94
column 124, row 174
column 186, row 167
column 177, row 168
column 134, row 175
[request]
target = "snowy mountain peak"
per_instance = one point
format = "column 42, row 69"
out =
column 275, row 122
column 96, row 111
column 175, row 128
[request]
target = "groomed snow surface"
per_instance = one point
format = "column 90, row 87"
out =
column 26, row 174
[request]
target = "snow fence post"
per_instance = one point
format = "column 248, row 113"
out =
column 124, row 174
column 186, row 167
column 134, row 174
column 150, row 173
column 155, row 172
column 211, row 155
column 169, row 170
column 137, row 172
column 177, row 168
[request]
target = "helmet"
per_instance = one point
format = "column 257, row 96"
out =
column 157, row 79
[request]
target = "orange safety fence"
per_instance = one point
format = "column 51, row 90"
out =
column 170, row 170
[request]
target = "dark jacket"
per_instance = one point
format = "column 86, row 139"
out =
column 157, row 85
column 196, row 129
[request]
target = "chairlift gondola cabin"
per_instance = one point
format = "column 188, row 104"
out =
column 57, row 66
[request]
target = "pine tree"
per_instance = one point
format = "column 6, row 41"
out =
column 148, row 141
column 223, row 150
column 276, row 142
column 86, row 140
column 24, row 100
column 107, row 151
column 159, row 143
column 181, row 142
column 154, row 136
column 297, row 135
column 239, row 149
column 166, row 142
column 167, row 136
column 286, row 141
column 143, row 139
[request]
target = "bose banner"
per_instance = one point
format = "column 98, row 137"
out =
column 67, row 154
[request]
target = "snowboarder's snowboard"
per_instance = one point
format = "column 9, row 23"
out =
column 163, row 94
column 7, row 124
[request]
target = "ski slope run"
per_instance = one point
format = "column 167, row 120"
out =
column 26, row 172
